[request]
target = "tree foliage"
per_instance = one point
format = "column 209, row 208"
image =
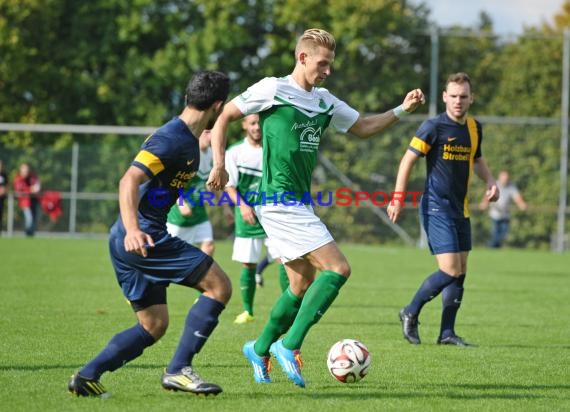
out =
column 112, row 62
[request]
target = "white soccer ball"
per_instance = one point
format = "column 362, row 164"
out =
column 348, row 360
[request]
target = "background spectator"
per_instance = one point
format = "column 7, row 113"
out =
column 500, row 211
column 27, row 188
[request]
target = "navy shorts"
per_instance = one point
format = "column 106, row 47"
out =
column 171, row 260
column 446, row 234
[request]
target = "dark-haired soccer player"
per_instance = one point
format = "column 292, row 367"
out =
column 147, row 259
column 451, row 143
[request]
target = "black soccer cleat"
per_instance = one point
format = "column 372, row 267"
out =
column 189, row 381
column 410, row 327
column 453, row 340
column 80, row 386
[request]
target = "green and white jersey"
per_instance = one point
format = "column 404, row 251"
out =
column 292, row 121
column 243, row 164
column 198, row 182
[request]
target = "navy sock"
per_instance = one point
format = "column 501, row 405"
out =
column 122, row 348
column 200, row 322
column 451, row 301
column 262, row 265
column 430, row 288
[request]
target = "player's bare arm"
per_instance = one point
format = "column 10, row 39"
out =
column 135, row 239
column 482, row 170
column 219, row 176
column 246, row 210
column 367, row 126
column 185, row 209
column 395, row 208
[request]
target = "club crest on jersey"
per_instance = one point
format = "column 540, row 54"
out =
column 309, row 139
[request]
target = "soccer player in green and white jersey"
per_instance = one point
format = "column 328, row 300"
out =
column 294, row 113
column 243, row 164
column 190, row 222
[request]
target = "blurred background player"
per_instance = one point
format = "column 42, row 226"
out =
column 190, row 221
column 244, row 166
column 500, row 211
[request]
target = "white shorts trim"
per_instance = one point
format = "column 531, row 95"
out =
column 194, row 235
column 293, row 230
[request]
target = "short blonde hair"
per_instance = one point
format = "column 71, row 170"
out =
column 314, row 38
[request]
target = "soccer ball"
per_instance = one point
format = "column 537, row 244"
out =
column 348, row 360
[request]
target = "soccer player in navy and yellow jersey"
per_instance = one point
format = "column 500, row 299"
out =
column 451, row 143
column 147, row 259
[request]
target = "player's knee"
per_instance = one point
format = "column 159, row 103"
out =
column 342, row 268
column 217, row 285
column 223, row 289
column 156, row 327
column 453, row 271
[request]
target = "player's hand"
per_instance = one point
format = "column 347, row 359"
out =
column 247, row 213
column 218, row 178
column 394, row 211
column 492, row 193
column 413, row 100
column 137, row 241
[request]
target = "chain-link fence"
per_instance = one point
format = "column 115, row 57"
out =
column 86, row 174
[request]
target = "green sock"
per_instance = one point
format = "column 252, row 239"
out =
column 283, row 279
column 247, row 286
column 280, row 319
column 316, row 301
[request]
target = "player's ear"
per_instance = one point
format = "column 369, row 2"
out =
column 218, row 106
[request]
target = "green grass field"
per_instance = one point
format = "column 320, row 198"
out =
column 60, row 305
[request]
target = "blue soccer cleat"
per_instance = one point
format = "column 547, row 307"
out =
column 290, row 361
column 261, row 364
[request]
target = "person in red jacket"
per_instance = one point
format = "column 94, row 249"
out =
column 3, row 191
column 27, row 188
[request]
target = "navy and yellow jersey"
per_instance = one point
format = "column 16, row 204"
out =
column 193, row 192
column 170, row 157
column 450, row 149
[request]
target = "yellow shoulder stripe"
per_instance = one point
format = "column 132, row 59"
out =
column 151, row 161
column 420, row 145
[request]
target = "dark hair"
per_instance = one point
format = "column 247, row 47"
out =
column 205, row 88
column 458, row 78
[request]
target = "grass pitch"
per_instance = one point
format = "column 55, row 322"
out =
column 60, row 305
